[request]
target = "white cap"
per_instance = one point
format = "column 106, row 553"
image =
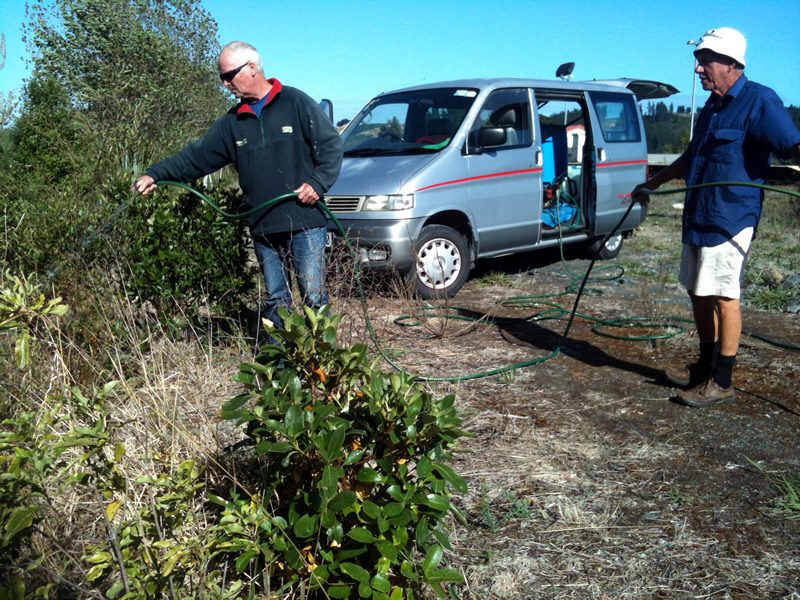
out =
column 725, row 41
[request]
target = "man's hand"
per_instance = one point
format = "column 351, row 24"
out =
column 144, row 185
column 639, row 195
column 307, row 194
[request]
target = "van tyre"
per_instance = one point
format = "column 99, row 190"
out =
column 442, row 262
column 608, row 250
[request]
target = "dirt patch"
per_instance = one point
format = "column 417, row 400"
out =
column 585, row 479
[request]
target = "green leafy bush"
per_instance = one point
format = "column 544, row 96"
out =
column 181, row 252
column 24, row 465
column 161, row 546
column 43, row 452
column 22, row 304
column 100, row 104
column 343, row 491
column 351, row 464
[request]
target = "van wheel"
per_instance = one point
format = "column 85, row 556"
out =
column 442, row 262
column 608, row 250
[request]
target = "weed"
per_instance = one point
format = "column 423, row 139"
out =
column 764, row 298
column 789, row 502
column 517, row 507
column 508, row 377
column 22, row 305
column 487, row 518
column 677, row 498
column 495, row 278
column 506, row 506
column 788, row 486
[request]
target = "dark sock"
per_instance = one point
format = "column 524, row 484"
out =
column 707, row 356
column 723, row 374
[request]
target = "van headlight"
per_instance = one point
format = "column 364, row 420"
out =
column 390, row 202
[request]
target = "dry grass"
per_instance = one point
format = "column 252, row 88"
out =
column 605, row 521
column 163, row 410
column 585, row 482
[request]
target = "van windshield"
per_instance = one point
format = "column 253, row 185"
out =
column 414, row 122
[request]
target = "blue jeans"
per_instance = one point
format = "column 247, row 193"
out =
column 303, row 250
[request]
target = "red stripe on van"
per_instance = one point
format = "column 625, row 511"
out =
column 478, row 177
column 622, row 163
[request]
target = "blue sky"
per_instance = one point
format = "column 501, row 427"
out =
column 350, row 50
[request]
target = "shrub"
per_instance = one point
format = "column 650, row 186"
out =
column 351, row 478
column 179, row 251
column 25, row 462
column 160, row 546
column 39, row 462
column 22, row 305
column 343, row 490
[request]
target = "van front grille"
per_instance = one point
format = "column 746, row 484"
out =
column 343, row 204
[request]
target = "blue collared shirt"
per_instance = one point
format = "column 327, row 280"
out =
column 733, row 141
column 259, row 105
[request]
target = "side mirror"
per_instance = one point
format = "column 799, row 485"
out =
column 484, row 138
column 327, row 107
column 491, row 136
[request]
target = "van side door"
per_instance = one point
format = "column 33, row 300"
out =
column 620, row 157
column 504, row 192
column 565, row 152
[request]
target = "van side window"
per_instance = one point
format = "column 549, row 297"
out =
column 619, row 120
column 508, row 109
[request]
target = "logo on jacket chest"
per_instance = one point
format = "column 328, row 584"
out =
column 288, row 129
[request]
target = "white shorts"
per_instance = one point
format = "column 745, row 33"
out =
column 716, row 270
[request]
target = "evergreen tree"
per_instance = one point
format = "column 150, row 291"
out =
column 141, row 71
column 116, row 85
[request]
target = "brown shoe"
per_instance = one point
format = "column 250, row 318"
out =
column 686, row 377
column 705, row 395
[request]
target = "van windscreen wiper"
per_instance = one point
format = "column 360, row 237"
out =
column 391, row 151
column 370, row 151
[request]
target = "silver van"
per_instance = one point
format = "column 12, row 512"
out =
column 439, row 175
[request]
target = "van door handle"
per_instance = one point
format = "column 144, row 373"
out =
column 539, row 158
column 601, row 154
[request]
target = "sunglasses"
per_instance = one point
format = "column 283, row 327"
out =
column 228, row 76
column 705, row 58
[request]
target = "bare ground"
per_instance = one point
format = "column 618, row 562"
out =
column 586, row 481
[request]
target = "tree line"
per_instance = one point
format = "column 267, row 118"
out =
column 667, row 126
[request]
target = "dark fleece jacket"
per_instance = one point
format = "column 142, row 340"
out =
column 291, row 143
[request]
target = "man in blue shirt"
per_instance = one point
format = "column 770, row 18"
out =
column 740, row 126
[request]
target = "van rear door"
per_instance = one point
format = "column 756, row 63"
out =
column 643, row 89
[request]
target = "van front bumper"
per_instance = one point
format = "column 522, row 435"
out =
column 382, row 244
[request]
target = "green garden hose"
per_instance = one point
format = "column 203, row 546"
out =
column 669, row 325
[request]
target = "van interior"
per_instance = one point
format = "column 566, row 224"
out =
column 566, row 156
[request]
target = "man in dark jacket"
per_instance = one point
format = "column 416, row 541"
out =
column 279, row 141
column 740, row 126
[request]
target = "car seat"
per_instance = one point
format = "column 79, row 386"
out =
column 436, row 131
column 506, row 118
